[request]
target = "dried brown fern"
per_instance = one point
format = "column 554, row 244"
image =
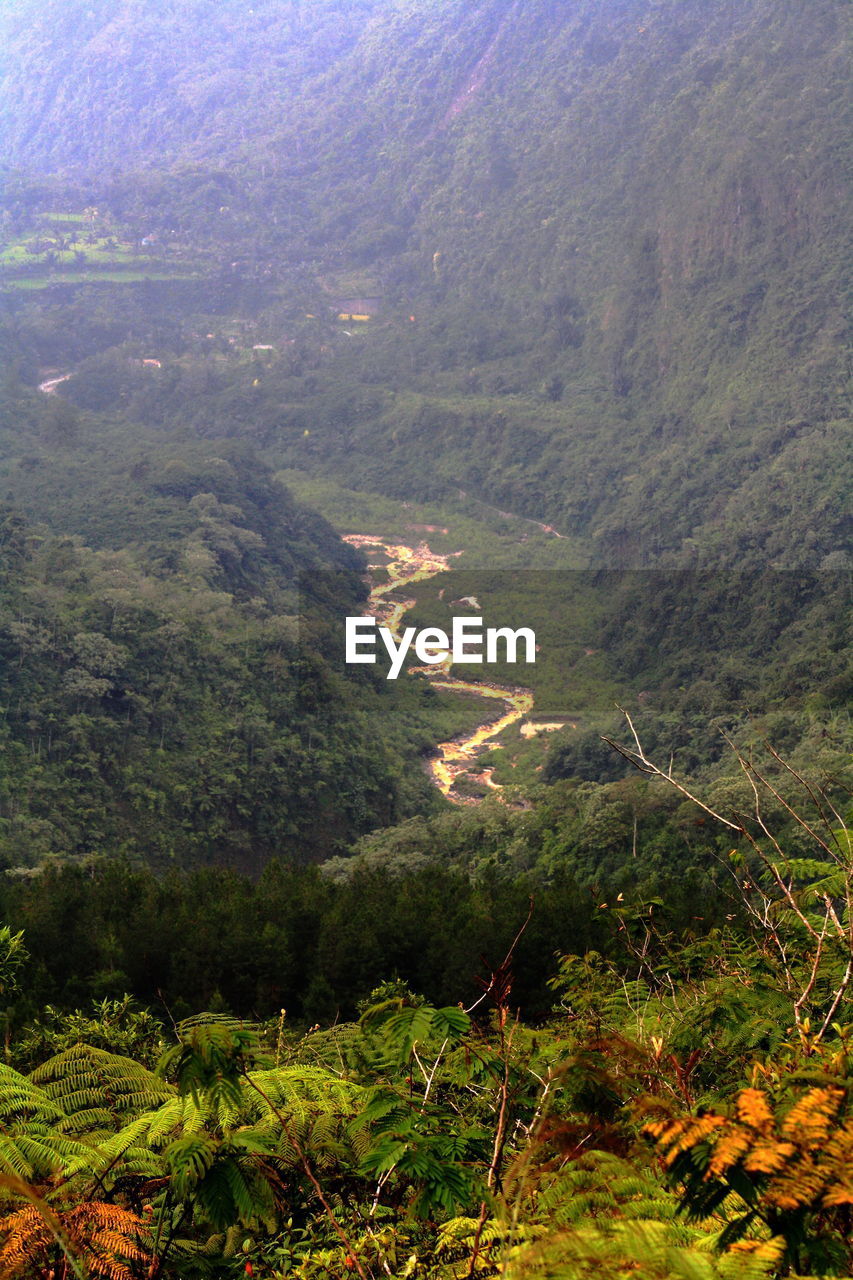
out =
column 104, row 1239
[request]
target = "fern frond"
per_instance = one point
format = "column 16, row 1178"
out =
column 625, row 1249
column 104, row 1237
column 21, row 1097
column 82, row 1079
column 812, row 1118
column 463, row 1231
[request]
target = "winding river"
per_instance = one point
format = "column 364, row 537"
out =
column 405, row 564
column 457, row 759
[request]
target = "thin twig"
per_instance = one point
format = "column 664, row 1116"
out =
column 639, row 760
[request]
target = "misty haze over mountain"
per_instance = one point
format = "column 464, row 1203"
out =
column 622, row 227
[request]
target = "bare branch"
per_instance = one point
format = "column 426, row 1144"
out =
column 817, row 798
column 797, row 816
column 780, row 892
column 640, row 761
column 839, row 995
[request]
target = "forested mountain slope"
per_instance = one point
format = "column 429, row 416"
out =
column 620, row 227
column 90, row 85
column 171, row 681
column 602, row 247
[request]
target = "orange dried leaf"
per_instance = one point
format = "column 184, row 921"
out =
column 809, row 1122
column 769, row 1156
column 753, row 1109
column 730, row 1147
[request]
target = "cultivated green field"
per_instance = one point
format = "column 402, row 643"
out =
column 83, row 248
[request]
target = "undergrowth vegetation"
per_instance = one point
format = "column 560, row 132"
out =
column 685, row 1109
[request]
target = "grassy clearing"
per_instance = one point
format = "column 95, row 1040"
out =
column 482, row 534
column 353, row 282
column 571, row 678
column 93, row 277
column 101, row 252
column 74, row 248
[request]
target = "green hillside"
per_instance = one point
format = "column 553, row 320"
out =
column 171, row 676
column 99, row 85
column 621, row 229
column 601, row 252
